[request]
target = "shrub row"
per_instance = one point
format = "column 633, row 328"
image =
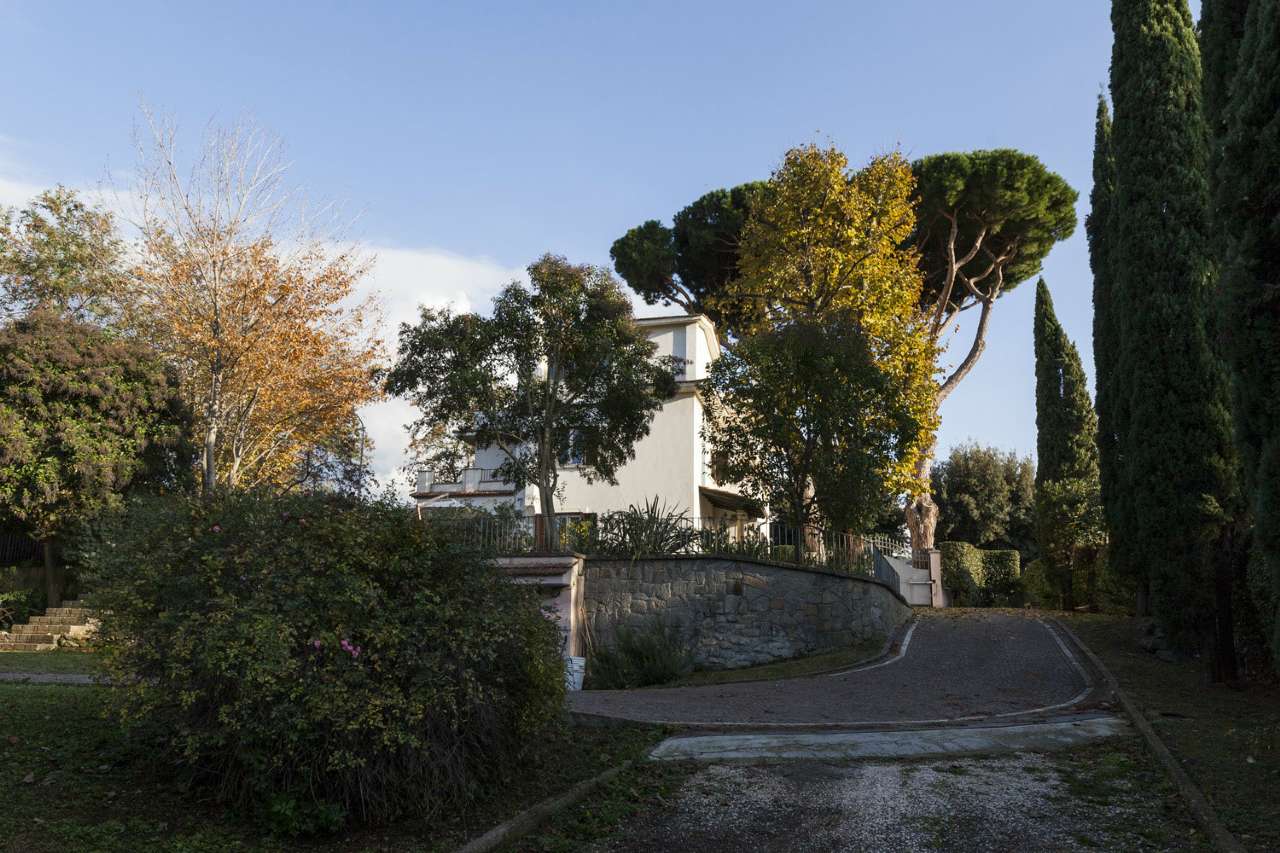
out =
column 978, row 578
column 320, row 659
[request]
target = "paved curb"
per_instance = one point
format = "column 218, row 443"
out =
column 528, row 819
column 46, row 678
column 762, row 748
column 1221, row 837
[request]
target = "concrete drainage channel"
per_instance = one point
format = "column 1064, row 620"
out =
column 896, row 743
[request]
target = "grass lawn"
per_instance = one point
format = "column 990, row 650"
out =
column 1227, row 740
column 793, row 668
column 74, row 783
column 85, row 663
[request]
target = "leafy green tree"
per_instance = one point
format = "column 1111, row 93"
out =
column 1066, row 450
column 1247, row 212
column 986, row 220
column 1176, row 446
column 82, row 413
column 805, row 419
column 559, row 370
column 59, row 254
column 690, row 262
column 986, row 497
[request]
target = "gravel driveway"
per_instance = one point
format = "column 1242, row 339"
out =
column 957, row 665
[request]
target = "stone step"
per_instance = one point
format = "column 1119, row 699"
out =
column 31, row 629
column 25, row 647
column 76, row 612
column 55, row 624
column 26, row 637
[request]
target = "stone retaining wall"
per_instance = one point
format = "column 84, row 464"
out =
column 739, row 613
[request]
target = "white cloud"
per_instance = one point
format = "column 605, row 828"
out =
column 404, row 279
column 401, row 278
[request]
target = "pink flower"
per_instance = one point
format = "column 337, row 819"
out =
column 217, row 528
column 317, row 644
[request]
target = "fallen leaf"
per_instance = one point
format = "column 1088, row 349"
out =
column 29, row 778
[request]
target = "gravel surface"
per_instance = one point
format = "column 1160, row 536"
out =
column 959, row 664
column 1022, row 802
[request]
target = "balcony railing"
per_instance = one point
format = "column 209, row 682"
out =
column 473, row 480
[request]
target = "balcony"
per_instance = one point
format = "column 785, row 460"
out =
column 475, row 481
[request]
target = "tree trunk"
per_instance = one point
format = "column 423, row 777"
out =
column 550, row 530
column 1225, row 554
column 209, row 479
column 922, row 512
column 53, row 579
column 1142, row 607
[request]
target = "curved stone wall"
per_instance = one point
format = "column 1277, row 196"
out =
column 738, row 613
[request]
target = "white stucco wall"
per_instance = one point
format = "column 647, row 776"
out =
column 663, row 466
column 671, row 462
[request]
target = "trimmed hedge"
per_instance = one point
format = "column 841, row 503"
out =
column 978, row 578
column 321, row 660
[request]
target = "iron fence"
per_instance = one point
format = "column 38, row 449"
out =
column 17, row 548
column 635, row 535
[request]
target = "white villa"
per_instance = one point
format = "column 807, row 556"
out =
column 671, row 463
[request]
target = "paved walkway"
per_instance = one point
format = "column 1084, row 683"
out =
column 957, row 665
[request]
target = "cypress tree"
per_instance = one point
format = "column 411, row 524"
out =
column 1065, row 421
column 1067, row 455
column 1247, row 211
column 1176, row 446
column 1109, row 383
column 1221, row 29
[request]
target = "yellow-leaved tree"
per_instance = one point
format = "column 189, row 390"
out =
column 255, row 308
column 824, row 242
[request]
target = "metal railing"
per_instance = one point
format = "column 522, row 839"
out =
column 635, row 535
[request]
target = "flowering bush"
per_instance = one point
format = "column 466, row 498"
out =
column 321, row 659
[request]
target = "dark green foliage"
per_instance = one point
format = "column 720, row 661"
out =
column 1009, row 199
column 688, row 263
column 1119, row 503
column 1068, row 498
column 648, row 530
column 980, row 578
column 986, row 496
column 1221, row 31
column 1178, row 459
column 804, row 420
column 83, row 414
column 318, row 659
column 559, row 370
column 1247, row 212
column 657, row 653
column 1065, row 423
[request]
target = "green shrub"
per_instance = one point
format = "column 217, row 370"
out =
column 321, row 659
column 961, row 566
column 639, row 657
column 1000, row 585
column 1036, row 588
column 638, row 531
column 18, row 600
column 978, row 578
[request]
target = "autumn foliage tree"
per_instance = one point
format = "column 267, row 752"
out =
column 823, row 264
column 254, row 307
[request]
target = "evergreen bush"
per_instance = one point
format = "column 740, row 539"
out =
column 320, row 659
column 640, row 657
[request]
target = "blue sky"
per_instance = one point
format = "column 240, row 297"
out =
column 472, row 137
